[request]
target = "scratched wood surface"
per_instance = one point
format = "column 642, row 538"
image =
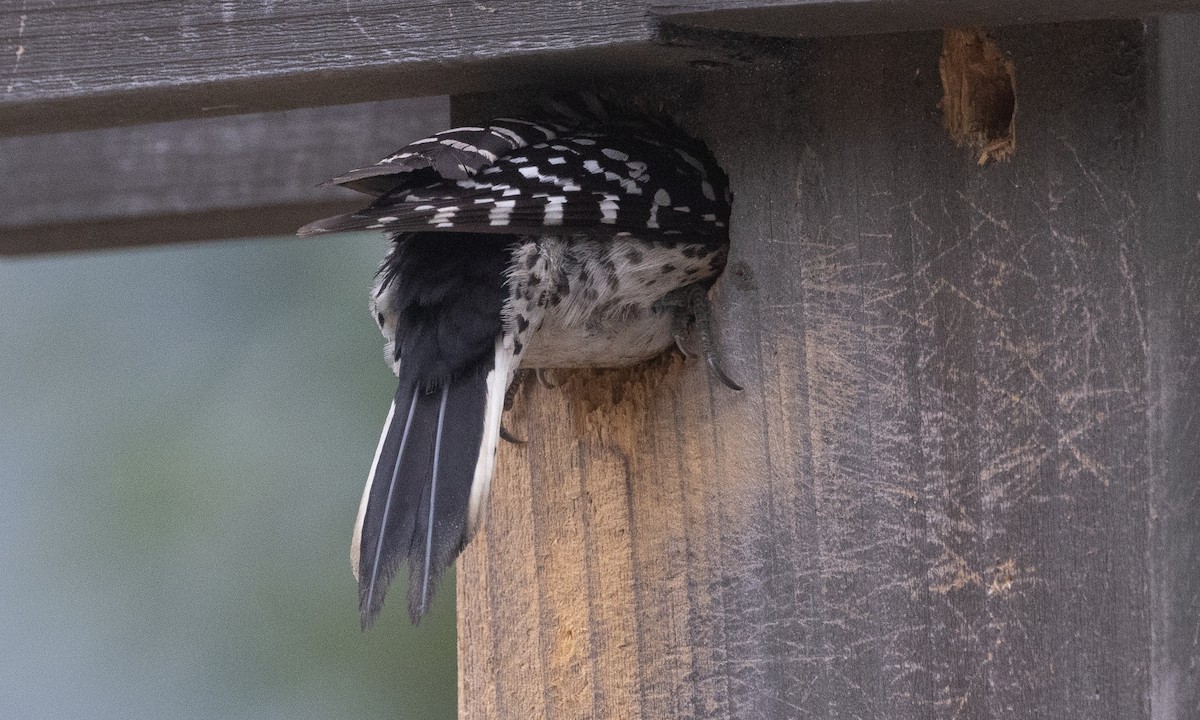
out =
column 961, row 481
column 1173, row 329
column 81, row 64
column 78, row 64
column 820, row 18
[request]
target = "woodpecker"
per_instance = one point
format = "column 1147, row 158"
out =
column 586, row 239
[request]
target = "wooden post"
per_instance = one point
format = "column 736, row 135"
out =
column 960, row 482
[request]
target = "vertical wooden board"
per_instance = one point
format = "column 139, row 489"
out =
column 932, row 500
column 499, row 584
column 1174, row 339
column 858, row 302
column 477, row 644
column 1066, row 585
column 770, row 590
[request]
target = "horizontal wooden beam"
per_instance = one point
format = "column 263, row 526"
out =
column 79, row 64
column 240, row 176
column 818, row 18
column 76, row 64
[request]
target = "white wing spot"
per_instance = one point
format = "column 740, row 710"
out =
column 662, row 197
column 508, row 136
column 614, row 154
column 707, row 189
column 554, row 211
column 500, row 214
column 626, row 184
column 559, row 160
column 608, row 209
column 467, row 147
column 443, row 216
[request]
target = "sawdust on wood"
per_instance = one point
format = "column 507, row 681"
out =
column 979, row 94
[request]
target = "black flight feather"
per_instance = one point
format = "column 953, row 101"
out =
column 417, row 505
column 447, row 302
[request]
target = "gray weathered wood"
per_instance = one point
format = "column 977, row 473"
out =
column 82, row 63
column 1172, row 324
column 239, row 176
column 961, row 482
column 78, row 64
column 818, row 18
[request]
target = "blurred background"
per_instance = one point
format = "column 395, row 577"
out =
column 184, row 434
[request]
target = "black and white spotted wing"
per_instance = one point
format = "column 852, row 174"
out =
column 454, row 154
column 654, row 182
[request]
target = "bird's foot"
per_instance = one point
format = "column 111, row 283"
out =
column 542, row 374
column 691, row 308
column 509, row 437
column 509, row 396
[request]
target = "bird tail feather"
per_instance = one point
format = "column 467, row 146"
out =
column 428, row 484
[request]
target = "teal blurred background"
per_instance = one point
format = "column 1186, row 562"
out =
column 184, row 434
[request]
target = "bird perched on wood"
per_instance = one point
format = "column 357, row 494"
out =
column 587, row 239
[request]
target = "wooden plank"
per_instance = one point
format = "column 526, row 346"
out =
column 821, row 18
column 79, row 64
column 1173, row 331
column 949, row 487
column 239, row 176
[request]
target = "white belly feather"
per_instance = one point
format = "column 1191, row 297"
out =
column 580, row 302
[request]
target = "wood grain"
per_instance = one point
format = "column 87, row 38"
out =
column 1173, row 332
column 82, row 64
column 952, row 487
column 241, row 176
column 823, row 18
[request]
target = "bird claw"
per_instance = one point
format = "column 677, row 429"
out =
column 509, row 396
column 509, row 437
column 540, row 373
column 715, row 368
column 701, row 314
column 681, row 345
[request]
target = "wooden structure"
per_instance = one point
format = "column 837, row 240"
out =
column 962, row 479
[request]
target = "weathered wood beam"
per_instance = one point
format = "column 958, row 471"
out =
column 78, row 64
column 961, row 482
column 820, row 18
column 1172, row 324
column 238, row 176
